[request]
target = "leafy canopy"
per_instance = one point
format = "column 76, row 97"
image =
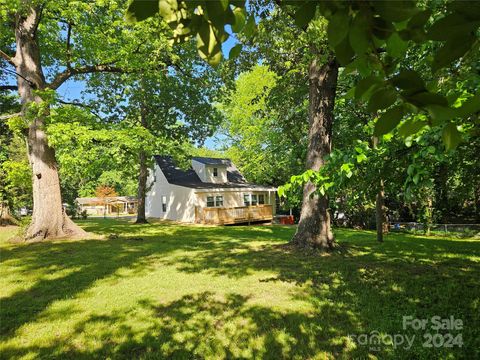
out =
column 370, row 37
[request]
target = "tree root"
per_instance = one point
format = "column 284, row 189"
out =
column 65, row 229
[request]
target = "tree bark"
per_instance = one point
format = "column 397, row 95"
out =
column 143, row 173
column 380, row 211
column 49, row 219
column 428, row 216
column 6, row 217
column 142, row 189
column 314, row 229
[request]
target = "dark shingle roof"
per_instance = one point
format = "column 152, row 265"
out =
column 189, row 177
column 212, row 161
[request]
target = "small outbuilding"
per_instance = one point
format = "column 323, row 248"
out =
column 112, row 205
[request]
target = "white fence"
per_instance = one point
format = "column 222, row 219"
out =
column 460, row 230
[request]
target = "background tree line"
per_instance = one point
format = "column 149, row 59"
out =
column 372, row 99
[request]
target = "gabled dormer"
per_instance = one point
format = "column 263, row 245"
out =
column 211, row 170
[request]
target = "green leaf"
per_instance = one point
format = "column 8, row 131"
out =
column 410, row 169
column 240, row 16
column 409, row 81
column 350, row 93
column 305, row 13
column 382, row 28
column 235, row 51
column 395, row 11
column 361, row 157
column 451, row 136
column 249, row 28
column 416, row 178
column 363, row 86
column 209, row 48
column 361, row 65
column 238, row 3
column 440, row 113
column 452, row 50
column 396, row 47
column 381, row 99
column 139, row 10
column 469, row 107
column 216, row 11
column 468, row 9
column 306, row 176
column 388, row 121
column 168, row 10
column 338, row 28
column 419, row 20
column 411, row 127
column 450, row 26
column 344, row 52
column 426, row 98
column 359, row 34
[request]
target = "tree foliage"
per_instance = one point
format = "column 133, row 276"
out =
column 370, row 37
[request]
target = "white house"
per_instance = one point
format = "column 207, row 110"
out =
column 107, row 205
column 212, row 191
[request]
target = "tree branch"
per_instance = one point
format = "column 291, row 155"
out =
column 69, row 33
column 39, row 18
column 6, row 117
column 75, row 103
column 9, row 87
column 7, row 58
column 60, row 78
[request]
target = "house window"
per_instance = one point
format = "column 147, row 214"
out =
column 210, row 202
column 219, row 200
column 164, row 203
column 246, row 199
column 254, row 199
column 215, row 172
column 261, row 199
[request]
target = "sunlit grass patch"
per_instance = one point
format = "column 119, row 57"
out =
column 165, row 290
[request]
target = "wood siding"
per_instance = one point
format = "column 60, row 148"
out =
column 233, row 215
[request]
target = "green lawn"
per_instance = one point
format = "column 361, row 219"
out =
column 231, row 292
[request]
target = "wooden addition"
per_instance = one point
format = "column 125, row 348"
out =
column 233, row 215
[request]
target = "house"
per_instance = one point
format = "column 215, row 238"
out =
column 211, row 191
column 112, row 205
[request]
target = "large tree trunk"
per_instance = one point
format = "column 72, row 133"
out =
column 49, row 219
column 380, row 212
column 314, row 229
column 6, row 217
column 143, row 172
column 142, row 189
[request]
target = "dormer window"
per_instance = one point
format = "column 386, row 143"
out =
column 210, row 170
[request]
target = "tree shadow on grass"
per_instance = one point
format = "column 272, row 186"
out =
column 81, row 263
column 203, row 325
column 368, row 288
column 378, row 283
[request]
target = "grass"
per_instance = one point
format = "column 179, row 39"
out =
column 231, row 292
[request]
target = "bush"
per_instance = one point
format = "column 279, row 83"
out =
column 72, row 211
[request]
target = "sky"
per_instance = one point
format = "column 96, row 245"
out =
column 72, row 89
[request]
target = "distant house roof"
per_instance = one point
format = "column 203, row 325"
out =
column 189, row 178
column 212, row 161
column 109, row 199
